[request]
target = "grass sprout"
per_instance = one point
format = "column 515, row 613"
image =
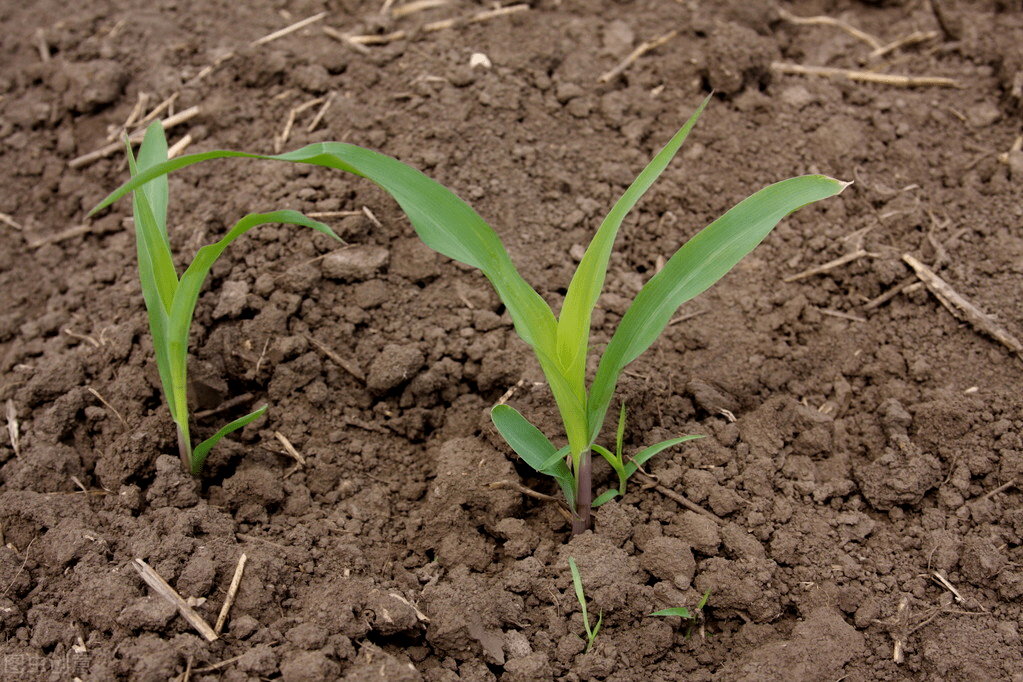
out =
column 561, row 345
column 577, row 582
column 682, row 611
column 695, row 616
column 170, row 301
column 626, row 469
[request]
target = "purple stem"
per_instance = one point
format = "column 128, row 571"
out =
column 584, row 495
column 184, row 451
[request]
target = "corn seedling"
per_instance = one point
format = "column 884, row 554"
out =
column 626, row 469
column 696, row 615
column 447, row 224
column 682, row 611
column 170, row 302
column 577, row 582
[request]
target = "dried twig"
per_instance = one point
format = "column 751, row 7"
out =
column 378, row 39
column 163, row 106
column 962, row 308
column 108, row 406
column 228, row 404
column 10, row 222
column 830, row 265
column 279, row 140
column 913, row 38
column 831, row 21
column 13, row 430
column 320, row 114
column 42, row 47
column 288, row 29
column 894, row 80
column 160, row 586
column 519, row 488
column 840, row 315
column 347, row 366
column 947, row 585
column 290, row 449
column 416, row 6
column 69, row 233
column 635, row 55
column 140, row 106
column 135, row 138
column 1000, row 489
column 231, row 592
column 179, row 146
column 681, row 499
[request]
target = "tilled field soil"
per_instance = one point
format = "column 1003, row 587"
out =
column 854, row 510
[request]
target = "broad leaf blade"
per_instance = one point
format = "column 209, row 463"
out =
column 203, row 449
column 443, row 221
column 153, row 152
column 701, row 262
column 606, row 496
column 149, row 210
column 571, row 405
column 588, row 281
column 159, row 283
column 533, row 447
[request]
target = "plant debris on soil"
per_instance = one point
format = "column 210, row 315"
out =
column 854, row 510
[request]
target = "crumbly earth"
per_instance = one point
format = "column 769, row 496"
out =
column 856, row 494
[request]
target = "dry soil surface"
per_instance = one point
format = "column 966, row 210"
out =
column 854, row 509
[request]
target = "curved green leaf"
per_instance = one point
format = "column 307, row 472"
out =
column 203, row 449
column 605, row 496
column 534, row 448
column 644, row 455
column 588, row 281
column 701, row 262
column 443, row 221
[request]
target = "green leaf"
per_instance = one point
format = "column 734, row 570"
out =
column 157, row 276
column 620, row 433
column 701, row 262
column 187, row 294
column 153, row 152
column 616, row 463
column 606, row 496
column 588, row 281
column 551, row 462
column 644, row 455
column 203, row 449
column 442, row 220
column 680, row 611
column 577, row 582
column 192, row 281
column 149, row 208
column 533, row 447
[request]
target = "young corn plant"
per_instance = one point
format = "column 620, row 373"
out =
column 695, row 616
column 170, row 302
column 561, row 344
column 577, row 582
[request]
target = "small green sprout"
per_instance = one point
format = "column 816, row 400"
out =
column 591, row 633
column 561, row 345
column 683, row 612
column 171, row 302
column 626, row 469
column 696, row 615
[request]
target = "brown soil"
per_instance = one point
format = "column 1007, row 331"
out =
column 856, row 451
